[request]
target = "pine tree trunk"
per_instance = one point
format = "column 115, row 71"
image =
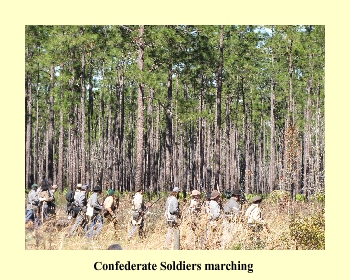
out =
column 28, row 131
column 169, row 131
column 218, row 110
column 272, row 177
column 82, row 118
column 140, row 114
column 51, row 126
column 60, row 183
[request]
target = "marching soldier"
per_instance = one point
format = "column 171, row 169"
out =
column 196, row 222
column 44, row 198
column 51, row 204
column 214, row 215
column 32, row 204
column 256, row 223
column 81, row 203
column 138, row 208
column 232, row 211
column 172, row 213
column 110, row 206
column 232, row 208
column 97, row 218
column 195, row 204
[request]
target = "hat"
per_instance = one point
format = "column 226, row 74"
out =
column 111, row 192
column 256, row 198
column 139, row 189
column 195, row 192
column 84, row 187
column 176, row 189
column 97, row 189
column 214, row 194
column 34, row 186
column 115, row 247
column 79, row 186
column 54, row 186
column 236, row 192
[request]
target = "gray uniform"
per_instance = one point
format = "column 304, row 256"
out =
column 172, row 210
column 232, row 207
column 93, row 201
column 81, row 200
column 172, row 213
column 33, row 199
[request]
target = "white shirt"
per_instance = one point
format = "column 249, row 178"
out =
column 254, row 215
column 137, row 202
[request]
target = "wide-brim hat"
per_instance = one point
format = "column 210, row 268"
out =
column 236, row 192
column 214, row 194
column 54, row 187
column 176, row 189
column 34, row 186
column 256, row 198
column 79, row 186
column 195, row 192
column 97, row 189
column 84, row 187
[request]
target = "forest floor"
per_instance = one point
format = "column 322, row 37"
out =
column 50, row 236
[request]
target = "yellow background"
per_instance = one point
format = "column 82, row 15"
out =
column 21, row 263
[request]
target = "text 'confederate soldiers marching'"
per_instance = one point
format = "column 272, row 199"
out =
column 206, row 221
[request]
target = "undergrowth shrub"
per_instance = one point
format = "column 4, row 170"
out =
column 308, row 233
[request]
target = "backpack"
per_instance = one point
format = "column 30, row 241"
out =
column 70, row 196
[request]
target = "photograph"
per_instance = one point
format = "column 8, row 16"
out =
column 174, row 137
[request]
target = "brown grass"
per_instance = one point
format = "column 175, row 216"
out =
column 193, row 236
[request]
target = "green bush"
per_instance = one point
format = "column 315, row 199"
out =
column 300, row 197
column 308, row 232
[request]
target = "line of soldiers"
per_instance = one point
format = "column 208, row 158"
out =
column 40, row 203
column 91, row 215
column 211, row 208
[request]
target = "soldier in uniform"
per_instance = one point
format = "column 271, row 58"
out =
column 213, row 215
column 195, row 204
column 138, row 208
column 110, row 206
column 52, row 204
column 32, row 204
column 97, row 218
column 81, row 219
column 77, row 191
column 255, row 221
column 173, row 214
column 196, row 222
column 44, row 198
column 232, row 208
column 232, row 211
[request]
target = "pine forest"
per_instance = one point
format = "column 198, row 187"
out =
column 197, row 107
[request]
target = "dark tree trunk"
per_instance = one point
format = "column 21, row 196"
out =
column 169, row 130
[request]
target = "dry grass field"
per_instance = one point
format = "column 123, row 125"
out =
column 293, row 225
